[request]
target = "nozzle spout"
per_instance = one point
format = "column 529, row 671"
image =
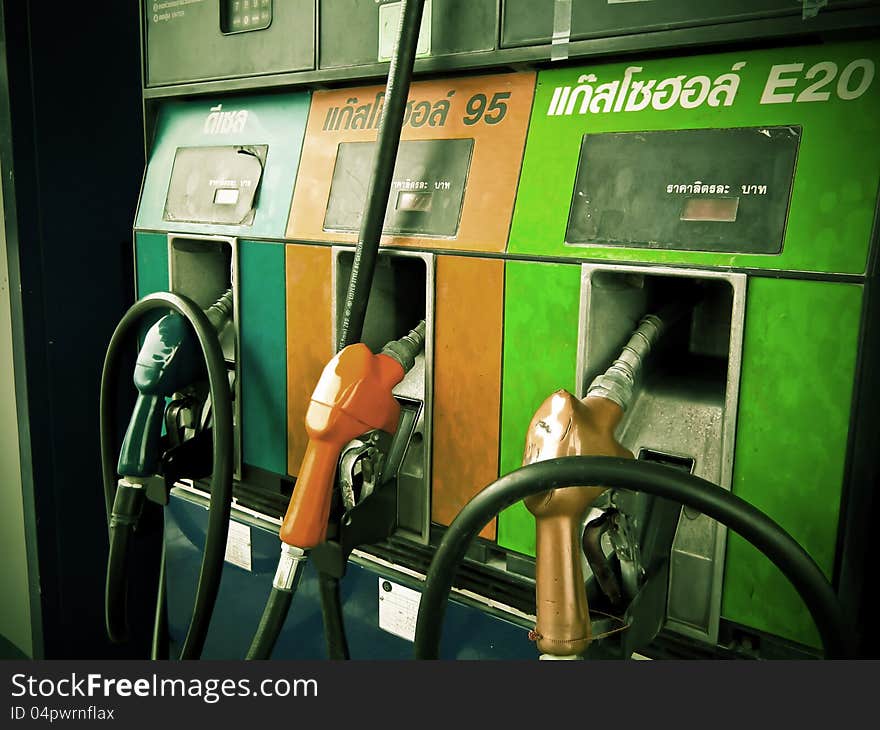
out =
column 618, row 381
column 221, row 310
column 406, row 349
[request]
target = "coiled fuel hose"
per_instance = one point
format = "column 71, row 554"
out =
column 656, row 480
column 123, row 504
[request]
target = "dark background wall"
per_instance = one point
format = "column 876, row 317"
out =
column 71, row 139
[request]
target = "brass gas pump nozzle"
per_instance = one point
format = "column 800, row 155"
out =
column 565, row 426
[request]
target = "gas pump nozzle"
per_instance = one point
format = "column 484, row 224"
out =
column 565, row 426
column 167, row 362
column 353, row 396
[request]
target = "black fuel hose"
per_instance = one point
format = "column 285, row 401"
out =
column 271, row 623
column 654, row 479
column 367, row 251
column 331, row 615
column 116, row 585
column 287, row 577
column 221, row 471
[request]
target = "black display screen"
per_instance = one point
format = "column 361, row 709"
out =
column 427, row 190
column 415, row 202
column 237, row 16
column 724, row 190
column 718, row 210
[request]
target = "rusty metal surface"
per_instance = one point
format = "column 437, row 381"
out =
column 467, row 382
column 309, row 337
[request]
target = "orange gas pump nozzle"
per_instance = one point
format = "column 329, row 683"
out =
column 353, row 396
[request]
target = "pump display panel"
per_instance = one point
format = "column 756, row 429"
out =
column 724, row 190
column 199, row 40
column 426, row 192
column 215, row 184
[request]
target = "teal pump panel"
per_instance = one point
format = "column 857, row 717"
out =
column 218, row 185
column 195, row 151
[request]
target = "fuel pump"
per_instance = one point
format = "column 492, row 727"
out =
column 353, row 395
column 167, row 363
column 566, row 426
column 534, row 217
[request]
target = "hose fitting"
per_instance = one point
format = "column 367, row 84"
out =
column 617, row 382
column 128, row 503
column 221, row 310
column 287, row 572
column 407, row 347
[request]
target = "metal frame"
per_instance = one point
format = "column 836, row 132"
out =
column 409, row 387
column 232, row 242
column 9, row 221
column 738, row 284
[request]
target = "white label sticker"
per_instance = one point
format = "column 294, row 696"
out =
column 238, row 545
column 398, row 609
column 389, row 20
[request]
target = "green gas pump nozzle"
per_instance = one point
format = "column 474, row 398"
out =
column 168, row 361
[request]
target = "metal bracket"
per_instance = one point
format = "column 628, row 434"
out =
column 191, row 459
column 645, row 572
column 561, row 30
column 373, row 515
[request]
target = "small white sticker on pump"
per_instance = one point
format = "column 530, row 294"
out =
column 389, row 21
column 238, row 545
column 398, row 609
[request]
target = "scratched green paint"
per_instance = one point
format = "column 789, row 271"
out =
column 835, row 187
column 541, row 304
column 263, row 341
column 263, row 332
column 151, row 261
column 799, row 355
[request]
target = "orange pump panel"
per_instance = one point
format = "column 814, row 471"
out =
column 309, row 337
column 468, row 321
column 492, row 110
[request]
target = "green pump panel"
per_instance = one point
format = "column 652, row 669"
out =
column 212, row 214
column 816, row 91
column 754, row 174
